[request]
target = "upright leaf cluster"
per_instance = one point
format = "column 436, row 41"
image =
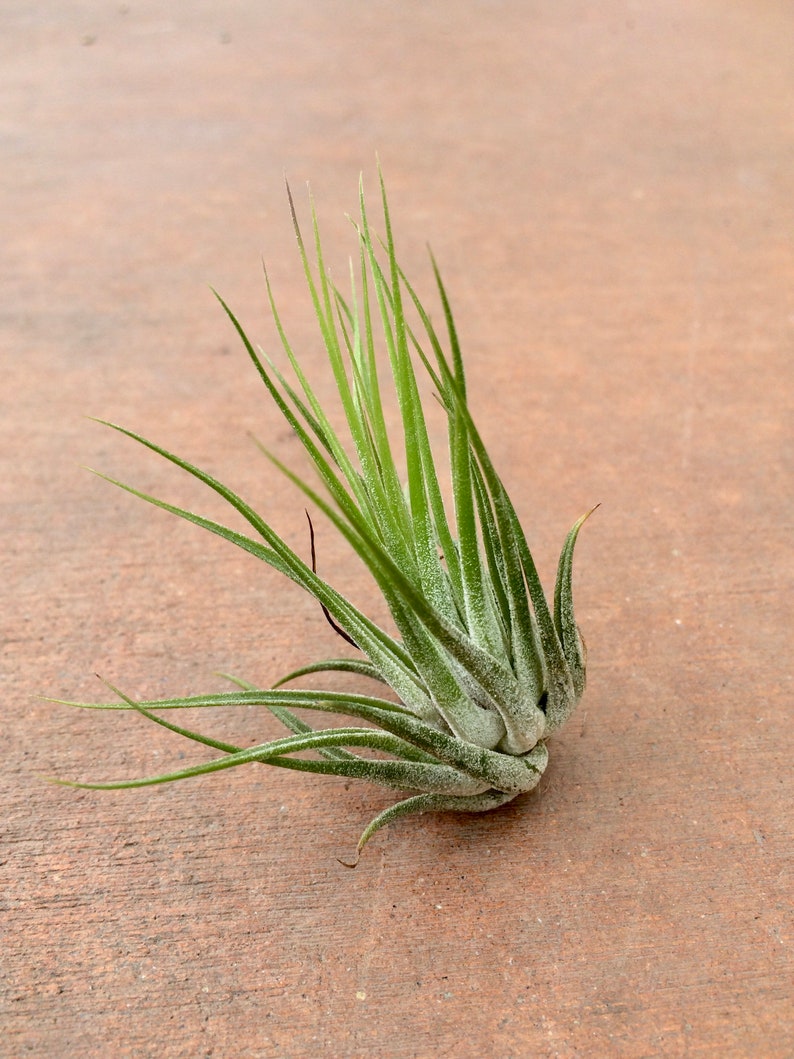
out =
column 484, row 669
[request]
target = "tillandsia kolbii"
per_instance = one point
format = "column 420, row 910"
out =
column 483, row 668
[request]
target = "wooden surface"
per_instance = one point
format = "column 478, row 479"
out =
column 608, row 189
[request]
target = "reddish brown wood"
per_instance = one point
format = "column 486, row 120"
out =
column 608, row 190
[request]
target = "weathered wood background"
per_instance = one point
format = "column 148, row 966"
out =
column 608, row 188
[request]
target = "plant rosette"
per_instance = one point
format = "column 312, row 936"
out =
column 483, row 668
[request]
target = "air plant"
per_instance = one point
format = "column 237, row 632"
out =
column 483, row 668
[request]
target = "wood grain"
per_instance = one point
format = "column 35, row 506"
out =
column 608, row 191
